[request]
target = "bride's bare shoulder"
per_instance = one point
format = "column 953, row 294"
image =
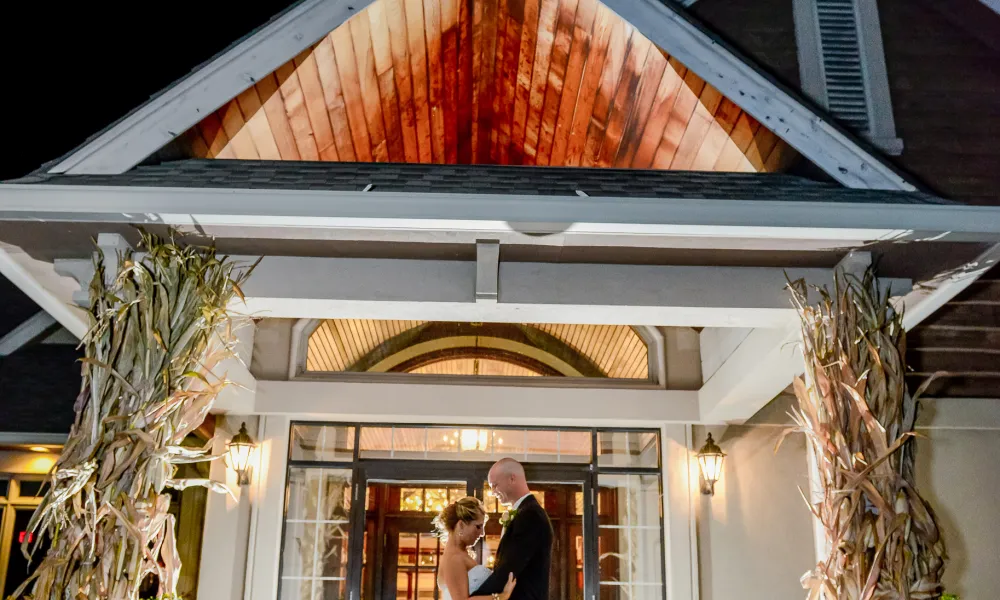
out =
column 457, row 560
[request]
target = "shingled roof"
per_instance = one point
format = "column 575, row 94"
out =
column 483, row 179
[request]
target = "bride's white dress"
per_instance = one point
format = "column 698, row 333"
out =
column 477, row 576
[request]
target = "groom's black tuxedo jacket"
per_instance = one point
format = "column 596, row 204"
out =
column 526, row 551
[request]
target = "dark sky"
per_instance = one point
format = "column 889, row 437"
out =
column 72, row 68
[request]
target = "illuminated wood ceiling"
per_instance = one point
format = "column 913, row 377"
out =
column 339, row 345
column 470, row 367
column 511, row 82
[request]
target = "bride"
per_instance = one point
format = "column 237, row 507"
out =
column 461, row 524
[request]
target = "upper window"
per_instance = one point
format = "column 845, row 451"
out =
column 477, row 349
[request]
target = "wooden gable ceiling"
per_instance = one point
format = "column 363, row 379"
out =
column 511, row 82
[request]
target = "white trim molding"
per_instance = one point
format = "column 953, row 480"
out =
column 31, row 329
column 844, row 71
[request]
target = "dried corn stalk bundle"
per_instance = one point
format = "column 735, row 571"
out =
column 158, row 327
column 858, row 418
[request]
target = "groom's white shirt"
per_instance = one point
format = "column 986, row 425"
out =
column 519, row 501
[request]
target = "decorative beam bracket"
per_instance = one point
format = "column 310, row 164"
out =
column 487, row 271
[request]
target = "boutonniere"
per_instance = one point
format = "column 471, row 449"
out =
column 507, row 517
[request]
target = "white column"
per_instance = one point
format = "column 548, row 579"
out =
column 264, row 549
column 227, row 524
column 679, row 492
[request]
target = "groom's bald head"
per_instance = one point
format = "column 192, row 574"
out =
column 507, row 481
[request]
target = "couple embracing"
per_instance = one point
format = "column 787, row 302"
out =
column 521, row 570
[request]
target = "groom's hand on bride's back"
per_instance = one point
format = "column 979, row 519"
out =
column 509, row 587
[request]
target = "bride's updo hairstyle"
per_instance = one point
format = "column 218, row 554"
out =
column 466, row 509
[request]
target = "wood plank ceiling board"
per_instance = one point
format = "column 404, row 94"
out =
column 510, row 82
column 338, row 344
column 475, row 366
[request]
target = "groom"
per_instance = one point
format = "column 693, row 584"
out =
column 526, row 546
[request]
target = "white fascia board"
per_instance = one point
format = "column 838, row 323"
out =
column 176, row 109
column 484, row 213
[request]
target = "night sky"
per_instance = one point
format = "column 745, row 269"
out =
column 73, row 68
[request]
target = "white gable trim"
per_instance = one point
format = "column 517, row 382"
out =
column 806, row 130
column 159, row 121
column 163, row 118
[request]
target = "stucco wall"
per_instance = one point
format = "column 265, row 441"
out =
column 957, row 471
column 755, row 537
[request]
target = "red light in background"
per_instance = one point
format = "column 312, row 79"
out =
column 20, row 537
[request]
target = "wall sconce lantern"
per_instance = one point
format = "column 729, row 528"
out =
column 710, row 459
column 240, row 452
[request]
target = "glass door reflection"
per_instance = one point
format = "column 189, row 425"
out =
column 403, row 565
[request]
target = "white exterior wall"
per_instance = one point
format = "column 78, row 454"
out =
column 957, row 471
column 755, row 535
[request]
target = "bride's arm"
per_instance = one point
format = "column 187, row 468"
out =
column 456, row 579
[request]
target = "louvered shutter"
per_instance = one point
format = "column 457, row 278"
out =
column 841, row 58
column 842, row 64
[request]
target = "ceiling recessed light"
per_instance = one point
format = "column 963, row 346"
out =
column 39, row 449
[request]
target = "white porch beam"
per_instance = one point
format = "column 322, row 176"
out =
column 762, row 365
column 298, row 287
column 744, row 370
column 384, row 216
column 156, row 123
column 430, row 403
column 20, row 438
column 40, row 282
column 806, row 130
column 27, row 331
column 923, row 300
column 600, row 294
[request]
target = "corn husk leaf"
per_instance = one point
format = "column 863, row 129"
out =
column 858, row 418
column 157, row 327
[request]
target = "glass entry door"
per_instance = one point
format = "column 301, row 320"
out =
column 401, row 552
column 361, row 500
column 401, row 549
